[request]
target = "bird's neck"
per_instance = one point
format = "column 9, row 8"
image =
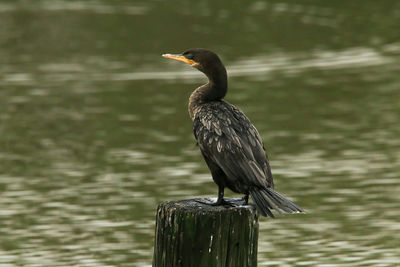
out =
column 214, row 90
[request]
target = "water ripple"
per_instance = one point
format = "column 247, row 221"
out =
column 85, row 6
column 260, row 66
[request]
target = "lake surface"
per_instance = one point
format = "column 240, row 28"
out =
column 94, row 130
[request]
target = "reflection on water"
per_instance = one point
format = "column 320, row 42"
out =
column 259, row 66
column 94, row 131
column 79, row 6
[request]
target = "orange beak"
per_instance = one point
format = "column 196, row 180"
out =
column 180, row 58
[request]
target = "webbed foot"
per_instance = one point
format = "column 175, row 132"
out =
column 223, row 202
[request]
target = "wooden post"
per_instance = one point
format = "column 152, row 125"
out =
column 190, row 233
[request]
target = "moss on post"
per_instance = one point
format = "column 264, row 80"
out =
column 191, row 233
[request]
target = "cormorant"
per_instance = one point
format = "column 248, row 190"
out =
column 229, row 142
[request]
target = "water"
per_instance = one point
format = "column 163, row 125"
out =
column 94, row 130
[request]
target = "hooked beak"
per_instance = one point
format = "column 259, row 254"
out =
column 180, row 58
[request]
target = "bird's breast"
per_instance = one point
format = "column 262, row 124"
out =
column 195, row 102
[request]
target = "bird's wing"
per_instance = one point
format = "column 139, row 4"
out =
column 227, row 137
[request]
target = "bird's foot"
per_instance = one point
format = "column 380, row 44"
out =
column 219, row 202
column 223, row 202
column 226, row 202
column 245, row 200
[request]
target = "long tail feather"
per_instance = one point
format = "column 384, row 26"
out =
column 268, row 199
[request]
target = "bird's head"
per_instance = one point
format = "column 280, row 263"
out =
column 202, row 59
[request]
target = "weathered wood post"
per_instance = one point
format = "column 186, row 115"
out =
column 190, row 233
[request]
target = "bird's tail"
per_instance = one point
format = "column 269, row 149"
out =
column 268, row 199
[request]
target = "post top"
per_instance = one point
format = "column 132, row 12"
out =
column 203, row 205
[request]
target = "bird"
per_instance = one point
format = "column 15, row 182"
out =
column 230, row 144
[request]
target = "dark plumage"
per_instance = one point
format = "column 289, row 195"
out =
column 229, row 142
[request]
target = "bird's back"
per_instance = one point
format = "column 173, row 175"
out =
column 227, row 137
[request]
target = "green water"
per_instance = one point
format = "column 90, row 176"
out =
column 94, row 130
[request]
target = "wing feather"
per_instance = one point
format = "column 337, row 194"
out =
column 227, row 137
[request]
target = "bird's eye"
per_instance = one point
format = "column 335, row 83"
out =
column 189, row 56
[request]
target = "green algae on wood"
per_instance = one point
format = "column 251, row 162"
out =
column 191, row 233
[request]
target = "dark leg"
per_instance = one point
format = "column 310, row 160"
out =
column 219, row 178
column 246, row 199
column 220, row 200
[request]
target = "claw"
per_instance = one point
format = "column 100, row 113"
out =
column 223, row 202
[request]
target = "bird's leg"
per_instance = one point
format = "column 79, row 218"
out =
column 246, row 199
column 221, row 201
